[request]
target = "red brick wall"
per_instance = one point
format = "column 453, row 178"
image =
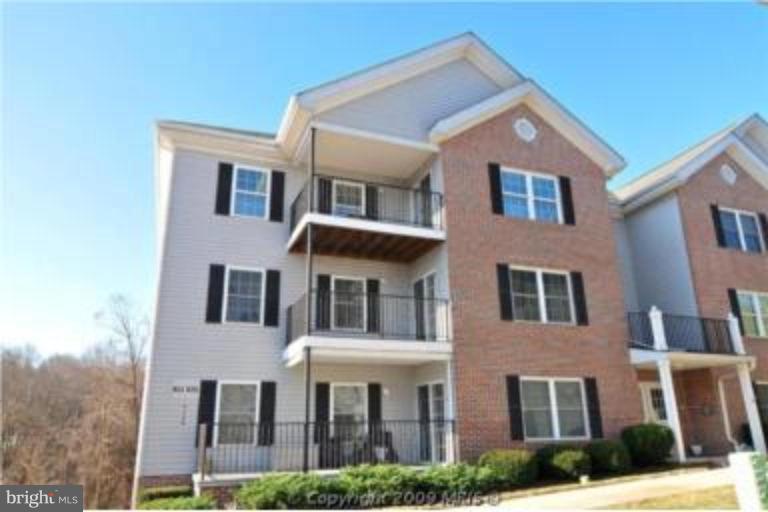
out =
column 487, row 348
column 716, row 269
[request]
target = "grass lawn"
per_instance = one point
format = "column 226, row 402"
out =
column 715, row 498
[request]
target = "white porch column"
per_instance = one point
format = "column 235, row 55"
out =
column 657, row 327
column 452, row 440
column 670, row 406
column 750, row 404
column 735, row 330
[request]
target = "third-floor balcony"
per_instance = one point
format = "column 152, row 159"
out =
column 366, row 219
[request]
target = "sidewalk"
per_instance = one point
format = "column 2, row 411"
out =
column 614, row 494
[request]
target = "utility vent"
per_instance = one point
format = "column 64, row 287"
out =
column 525, row 129
column 728, row 174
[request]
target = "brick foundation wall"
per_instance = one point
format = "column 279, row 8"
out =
column 487, row 348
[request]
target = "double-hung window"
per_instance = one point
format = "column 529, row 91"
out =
column 236, row 415
column 754, row 313
column 741, row 230
column 349, row 403
column 553, row 408
column 348, row 199
column 245, row 295
column 531, row 196
column 349, row 303
column 250, row 192
column 541, row 295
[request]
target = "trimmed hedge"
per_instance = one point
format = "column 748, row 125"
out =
column 168, row 491
column 608, row 457
column 458, row 478
column 180, row 503
column 285, row 491
column 516, row 468
column 648, row 444
column 563, row 462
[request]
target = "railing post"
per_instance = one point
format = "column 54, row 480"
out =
column 307, row 395
column 202, row 436
column 735, row 330
column 657, row 328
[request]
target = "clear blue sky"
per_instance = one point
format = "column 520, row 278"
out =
column 82, row 85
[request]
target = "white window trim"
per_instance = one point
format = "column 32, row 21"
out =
column 754, row 297
column 553, row 408
column 530, row 196
column 647, row 399
column 347, row 183
column 233, row 191
column 740, row 229
column 217, row 409
column 333, row 303
column 541, row 297
column 225, row 304
column 331, row 401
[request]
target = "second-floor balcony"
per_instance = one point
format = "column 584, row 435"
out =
column 344, row 327
column 365, row 219
column 659, row 331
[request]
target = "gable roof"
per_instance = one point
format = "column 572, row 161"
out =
column 309, row 102
column 677, row 171
column 543, row 104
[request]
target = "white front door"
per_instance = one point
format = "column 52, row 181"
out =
column 653, row 403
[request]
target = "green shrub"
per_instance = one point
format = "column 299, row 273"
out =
column 648, row 444
column 180, row 503
column 515, row 467
column 563, row 462
column 608, row 457
column 383, row 481
column 281, row 491
column 456, row 478
column 168, row 491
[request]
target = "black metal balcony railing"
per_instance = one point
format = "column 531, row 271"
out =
column 361, row 315
column 297, row 446
column 342, row 197
column 683, row 333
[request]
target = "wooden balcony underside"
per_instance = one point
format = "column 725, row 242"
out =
column 354, row 243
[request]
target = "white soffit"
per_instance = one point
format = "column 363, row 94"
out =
column 545, row 106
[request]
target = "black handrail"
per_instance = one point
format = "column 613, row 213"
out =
column 279, row 446
column 683, row 333
column 376, row 316
column 379, row 202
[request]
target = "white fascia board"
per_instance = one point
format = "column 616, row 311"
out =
column 545, row 106
column 686, row 360
column 365, row 349
column 376, row 226
column 751, row 162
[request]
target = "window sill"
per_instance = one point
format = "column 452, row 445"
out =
column 556, row 439
column 742, row 251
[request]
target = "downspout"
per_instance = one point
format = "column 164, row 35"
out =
column 724, row 411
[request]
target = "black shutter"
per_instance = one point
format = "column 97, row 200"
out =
column 566, row 201
column 371, row 202
column 267, row 413
column 514, row 405
column 374, row 414
column 764, row 228
column 272, row 305
column 277, row 196
column 733, row 298
column 224, row 189
column 418, row 299
column 324, row 195
column 323, row 302
column 206, row 409
column 372, row 288
column 215, row 294
column 593, row 407
column 579, row 298
column 322, row 410
column 494, row 177
column 505, row 291
column 718, row 225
